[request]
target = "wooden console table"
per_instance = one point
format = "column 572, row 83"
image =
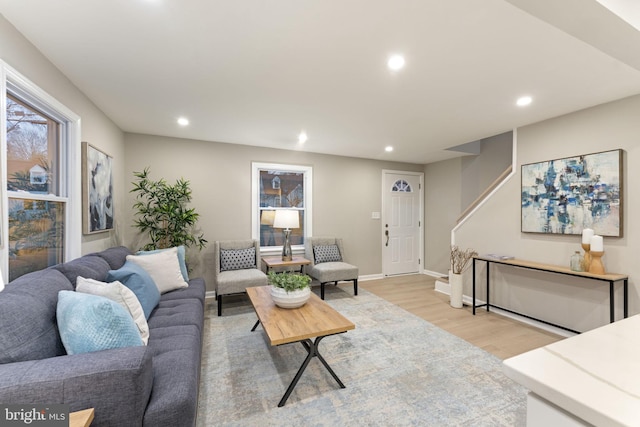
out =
column 611, row 278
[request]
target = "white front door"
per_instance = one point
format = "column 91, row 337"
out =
column 401, row 222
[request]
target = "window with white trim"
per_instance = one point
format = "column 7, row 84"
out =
column 280, row 186
column 39, row 142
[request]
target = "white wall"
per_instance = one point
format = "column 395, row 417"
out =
column 495, row 228
column 97, row 128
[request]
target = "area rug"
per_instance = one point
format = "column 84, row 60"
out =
column 399, row 370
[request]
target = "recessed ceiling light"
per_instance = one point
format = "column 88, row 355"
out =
column 523, row 101
column 388, row 149
column 183, row 121
column 395, row 62
column 302, row 138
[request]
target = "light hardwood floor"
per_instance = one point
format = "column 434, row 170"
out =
column 494, row 333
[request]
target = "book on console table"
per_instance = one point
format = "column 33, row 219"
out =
column 500, row 257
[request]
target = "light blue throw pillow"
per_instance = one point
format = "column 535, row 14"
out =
column 138, row 280
column 92, row 323
column 181, row 260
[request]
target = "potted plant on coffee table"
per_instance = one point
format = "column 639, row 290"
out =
column 289, row 290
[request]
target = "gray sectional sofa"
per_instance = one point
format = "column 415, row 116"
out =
column 153, row 385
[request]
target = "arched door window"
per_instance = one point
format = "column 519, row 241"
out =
column 401, row 186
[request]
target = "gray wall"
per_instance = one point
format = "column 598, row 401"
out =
column 96, row 128
column 479, row 172
column 345, row 192
column 495, row 227
column 451, row 186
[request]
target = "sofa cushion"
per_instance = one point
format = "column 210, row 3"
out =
column 177, row 312
column 163, row 267
column 138, row 280
column 326, row 253
column 89, row 266
column 115, row 257
column 197, row 289
column 237, row 259
column 28, row 316
column 176, row 363
column 119, row 293
column 90, row 323
column 181, row 259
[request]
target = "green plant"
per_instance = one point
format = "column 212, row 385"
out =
column 162, row 213
column 289, row 281
column 460, row 258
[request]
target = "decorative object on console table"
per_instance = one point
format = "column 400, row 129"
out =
column 597, row 250
column 587, row 234
column 97, row 190
column 577, row 262
column 286, row 219
column 459, row 261
column 289, row 290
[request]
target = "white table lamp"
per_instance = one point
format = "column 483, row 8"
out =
column 286, row 219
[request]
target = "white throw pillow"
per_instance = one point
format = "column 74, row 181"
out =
column 119, row 293
column 163, row 267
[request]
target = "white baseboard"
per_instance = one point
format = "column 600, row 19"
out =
column 209, row 295
column 370, row 277
column 434, row 274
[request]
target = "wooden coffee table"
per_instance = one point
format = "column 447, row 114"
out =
column 316, row 319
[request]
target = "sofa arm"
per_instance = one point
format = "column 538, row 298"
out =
column 117, row 383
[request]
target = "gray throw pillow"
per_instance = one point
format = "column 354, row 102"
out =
column 326, row 253
column 237, row 259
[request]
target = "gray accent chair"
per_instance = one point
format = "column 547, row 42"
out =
column 328, row 272
column 229, row 282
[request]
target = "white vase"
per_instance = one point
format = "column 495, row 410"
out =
column 292, row 299
column 455, row 281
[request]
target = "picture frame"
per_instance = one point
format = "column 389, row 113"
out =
column 97, row 190
column 567, row 195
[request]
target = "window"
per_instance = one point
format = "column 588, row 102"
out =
column 401, row 186
column 40, row 143
column 277, row 186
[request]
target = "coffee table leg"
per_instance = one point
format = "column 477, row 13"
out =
column 255, row 326
column 312, row 350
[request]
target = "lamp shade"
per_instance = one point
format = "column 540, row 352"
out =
column 266, row 218
column 286, row 218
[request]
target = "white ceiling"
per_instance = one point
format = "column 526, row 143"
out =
column 258, row 72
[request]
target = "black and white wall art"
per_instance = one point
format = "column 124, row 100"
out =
column 97, row 190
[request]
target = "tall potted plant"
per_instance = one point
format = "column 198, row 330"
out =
column 459, row 261
column 161, row 212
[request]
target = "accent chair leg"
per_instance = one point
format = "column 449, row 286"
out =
column 321, row 290
column 355, row 286
column 219, row 298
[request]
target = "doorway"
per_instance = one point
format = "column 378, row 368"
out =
column 402, row 208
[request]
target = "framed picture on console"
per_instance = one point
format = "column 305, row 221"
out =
column 564, row 196
column 97, row 190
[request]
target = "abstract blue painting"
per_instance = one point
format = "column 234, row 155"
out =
column 564, row 196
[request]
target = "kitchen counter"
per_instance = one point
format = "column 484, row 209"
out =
column 594, row 377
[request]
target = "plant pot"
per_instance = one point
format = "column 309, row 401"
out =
column 455, row 281
column 293, row 299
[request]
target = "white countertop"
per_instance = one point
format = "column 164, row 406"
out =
column 595, row 375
